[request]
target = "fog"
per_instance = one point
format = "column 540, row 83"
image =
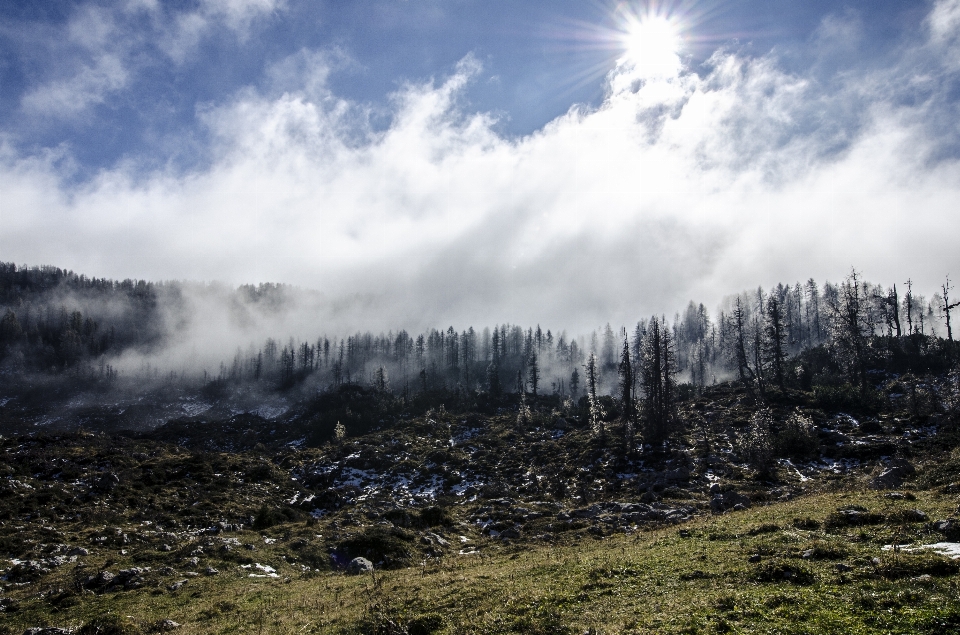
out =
column 690, row 184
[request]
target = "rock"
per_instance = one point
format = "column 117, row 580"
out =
column 893, row 476
column 100, row 581
column 359, row 565
column 510, row 533
column 47, row 630
column 679, row 475
column 888, row 479
column 806, row 555
column 715, row 488
column 107, row 482
column 210, row 571
column 728, row 500
column 9, row 605
column 754, row 558
column 949, row 527
column 166, row 548
column 27, row 571
column 587, row 512
column 176, row 586
column 167, row 625
column 191, row 562
column 440, row 540
column 843, row 568
column 78, row 551
column 129, row 578
column 913, row 515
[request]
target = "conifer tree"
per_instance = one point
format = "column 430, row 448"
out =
column 596, row 416
column 626, row 394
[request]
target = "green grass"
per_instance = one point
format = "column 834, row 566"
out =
column 662, row 581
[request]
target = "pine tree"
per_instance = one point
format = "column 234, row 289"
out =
column 534, row 372
column 775, row 345
column 657, row 370
column 626, row 394
column 596, row 415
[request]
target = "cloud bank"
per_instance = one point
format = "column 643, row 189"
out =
column 689, row 184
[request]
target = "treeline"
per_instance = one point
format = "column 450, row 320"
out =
column 853, row 325
column 53, row 320
column 790, row 335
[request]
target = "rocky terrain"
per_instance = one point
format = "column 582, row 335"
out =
column 201, row 503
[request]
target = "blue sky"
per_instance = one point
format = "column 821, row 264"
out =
column 539, row 58
column 382, row 148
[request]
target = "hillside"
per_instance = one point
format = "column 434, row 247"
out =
column 512, row 521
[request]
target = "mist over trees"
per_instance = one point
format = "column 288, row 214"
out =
column 56, row 323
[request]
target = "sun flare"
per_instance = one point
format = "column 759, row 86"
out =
column 653, row 45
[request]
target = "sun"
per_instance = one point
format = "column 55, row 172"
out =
column 653, row 45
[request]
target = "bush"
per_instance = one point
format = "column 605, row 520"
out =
column 425, row 624
column 911, row 565
column 754, row 445
column 389, row 548
column 780, row 571
column 848, row 398
column 797, row 438
column 806, row 523
column 435, row 516
column 109, row 625
column 853, row 517
column 268, row 517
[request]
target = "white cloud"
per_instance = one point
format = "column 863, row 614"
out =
column 99, row 51
column 185, row 30
column 678, row 187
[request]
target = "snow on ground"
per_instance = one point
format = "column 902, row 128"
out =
column 267, row 571
column 948, row 549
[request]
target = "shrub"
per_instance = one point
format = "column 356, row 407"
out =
column 754, row 444
column 108, row 625
column 425, row 624
column 797, row 438
column 911, row 565
column 853, row 517
column 806, row 523
column 391, row 547
column 780, row 571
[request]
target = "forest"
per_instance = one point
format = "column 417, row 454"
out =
column 61, row 327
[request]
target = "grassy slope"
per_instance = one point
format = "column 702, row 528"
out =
column 656, row 581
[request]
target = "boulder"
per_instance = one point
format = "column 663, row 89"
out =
column 726, row 501
column 893, row 476
column 359, row 565
column 107, row 483
column 950, row 528
column 890, row 478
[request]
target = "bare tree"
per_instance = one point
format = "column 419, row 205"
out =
column 946, row 307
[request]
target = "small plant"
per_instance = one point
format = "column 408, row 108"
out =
column 779, row 571
column 807, row 523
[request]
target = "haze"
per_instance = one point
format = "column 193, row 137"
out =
column 131, row 146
